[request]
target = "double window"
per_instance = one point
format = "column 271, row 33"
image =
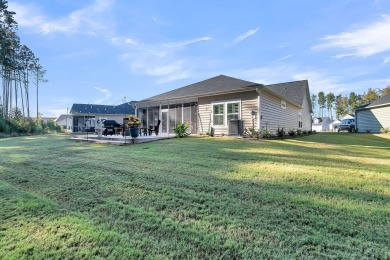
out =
column 225, row 111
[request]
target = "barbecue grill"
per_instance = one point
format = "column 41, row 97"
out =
column 110, row 126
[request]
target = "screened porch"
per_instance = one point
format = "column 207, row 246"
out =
column 169, row 115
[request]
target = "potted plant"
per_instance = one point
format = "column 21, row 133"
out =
column 134, row 123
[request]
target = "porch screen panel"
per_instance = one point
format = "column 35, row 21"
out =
column 179, row 113
column 187, row 116
column 194, row 118
column 150, row 117
column 172, row 119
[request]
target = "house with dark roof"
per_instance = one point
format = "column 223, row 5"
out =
column 321, row 124
column 85, row 115
column 66, row 121
column 229, row 105
column 373, row 116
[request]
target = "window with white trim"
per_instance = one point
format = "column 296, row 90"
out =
column 299, row 120
column 218, row 115
column 233, row 110
column 223, row 112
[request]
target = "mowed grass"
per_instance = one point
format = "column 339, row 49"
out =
column 320, row 196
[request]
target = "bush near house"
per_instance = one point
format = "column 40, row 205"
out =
column 16, row 125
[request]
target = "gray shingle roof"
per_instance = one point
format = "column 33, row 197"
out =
column 206, row 87
column 323, row 120
column 291, row 91
column 380, row 101
column 102, row 109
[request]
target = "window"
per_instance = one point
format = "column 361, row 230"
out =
column 218, row 114
column 223, row 112
column 232, row 110
column 300, row 120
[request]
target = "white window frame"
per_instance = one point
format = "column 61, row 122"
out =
column 223, row 115
column 224, row 103
column 300, row 121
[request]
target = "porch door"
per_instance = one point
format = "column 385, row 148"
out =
column 164, row 121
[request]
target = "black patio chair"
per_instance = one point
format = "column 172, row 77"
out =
column 154, row 128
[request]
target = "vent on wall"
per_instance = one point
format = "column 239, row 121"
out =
column 235, row 127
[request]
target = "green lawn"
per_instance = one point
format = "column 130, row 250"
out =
column 320, row 196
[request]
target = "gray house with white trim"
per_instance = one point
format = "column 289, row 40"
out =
column 374, row 116
column 224, row 102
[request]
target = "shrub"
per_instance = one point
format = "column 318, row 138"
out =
column 266, row 133
column 181, row 130
column 291, row 132
column 252, row 132
column 299, row 132
column 280, row 132
column 385, row 130
column 304, row 132
column 368, row 130
column 310, row 132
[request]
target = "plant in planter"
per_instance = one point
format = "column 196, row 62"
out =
column 134, row 123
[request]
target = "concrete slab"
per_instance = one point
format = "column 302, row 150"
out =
column 117, row 139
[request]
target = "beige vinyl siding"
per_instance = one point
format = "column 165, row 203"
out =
column 249, row 102
column 306, row 115
column 273, row 116
column 373, row 119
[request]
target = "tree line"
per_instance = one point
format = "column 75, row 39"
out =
column 20, row 68
column 343, row 105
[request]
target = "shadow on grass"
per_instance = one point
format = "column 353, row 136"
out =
column 187, row 199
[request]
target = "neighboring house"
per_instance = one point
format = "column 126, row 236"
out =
column 229, row 105
column 372, row 117
column 321, row 124
column 66, row 121
column 348, row 116
column 84, row 115
column 335, row 124
column 47, row 118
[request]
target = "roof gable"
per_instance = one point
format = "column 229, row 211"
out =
column 294, row 91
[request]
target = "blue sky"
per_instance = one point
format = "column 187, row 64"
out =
column 100, row 51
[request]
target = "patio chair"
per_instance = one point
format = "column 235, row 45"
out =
column 154, row 128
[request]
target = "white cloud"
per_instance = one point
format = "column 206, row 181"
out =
column 246, row 35
column 131, row 41
column 88, row 20
column 386, row 60
column 106, row 95
column 189, row 42
column 101, row 89
column 369, row 40
column 284, row 58
column 160, row 60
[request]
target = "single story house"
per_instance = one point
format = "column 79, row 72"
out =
column 66, row 121
column 374, row 116
column 321, row 124
column 228, row 105
column 348, row 116
column 85, row 115
column 335, row 124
